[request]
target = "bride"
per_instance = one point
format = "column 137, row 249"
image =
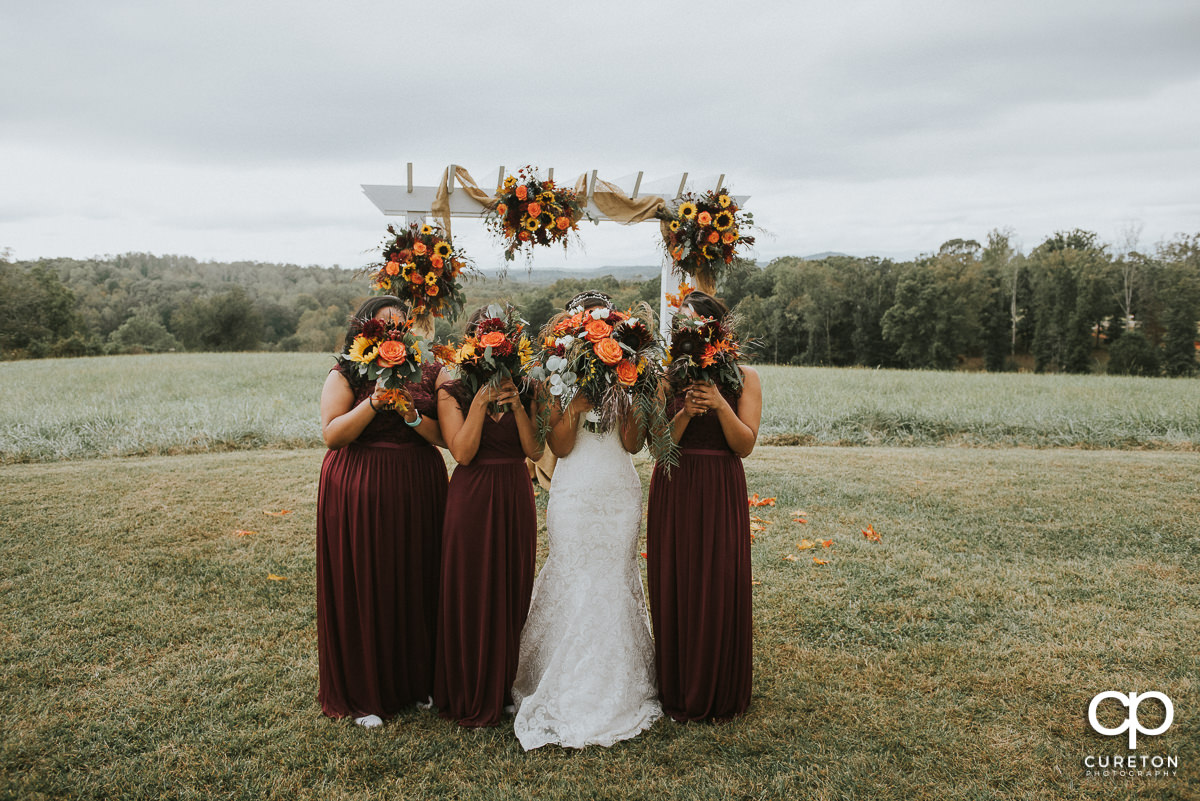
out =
column 586, row 669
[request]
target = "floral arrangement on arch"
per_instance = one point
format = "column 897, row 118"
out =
column 704, row 349
column 528, row 211
column 705, row 233
column 388, row 353
column 498, row 349
column 615, row 360
column 675, row 300
column 421, row 266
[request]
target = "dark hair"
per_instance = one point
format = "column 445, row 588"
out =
column 589, row 298
column 369, row 308
column 474, row 318
column 705, row 305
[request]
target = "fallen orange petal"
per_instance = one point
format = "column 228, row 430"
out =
column 826, row 543
column 817, row 561
column 756, row 583
column 790, row 558
column 804, row 545
column 757, row 527
column 800, row 520
column 644, row 555
column 280, row 513
column 241, row 532
column 273, row 577
column 870, row 533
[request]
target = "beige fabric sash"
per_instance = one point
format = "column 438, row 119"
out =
column 441, row 202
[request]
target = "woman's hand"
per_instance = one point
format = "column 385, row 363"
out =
column 702, row 397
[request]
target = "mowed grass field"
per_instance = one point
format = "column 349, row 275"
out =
column 150, row 650
column 196, row 403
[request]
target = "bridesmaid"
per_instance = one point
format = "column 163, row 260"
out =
column 489, row 545
column 698, row 545
column 380, row 503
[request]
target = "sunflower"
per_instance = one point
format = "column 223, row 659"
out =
column 426, row 230
column 510, row 182
column 674, row 226
column 723, row 221
column 724, row 201
column 688, row 210
column 531, row 223
column 363, row 350
column 442, row 249
column 525, row 351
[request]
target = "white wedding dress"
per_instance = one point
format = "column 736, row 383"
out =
column 586, row 670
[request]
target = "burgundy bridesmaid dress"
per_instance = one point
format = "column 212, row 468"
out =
column 489, row 543
column 380, row 506
column 698, row 570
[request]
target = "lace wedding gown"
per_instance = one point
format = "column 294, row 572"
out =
column 586, row 669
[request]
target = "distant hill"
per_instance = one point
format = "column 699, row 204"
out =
column 825, row 254
column 518, row 274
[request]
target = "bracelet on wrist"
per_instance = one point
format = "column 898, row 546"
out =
column 415, row 422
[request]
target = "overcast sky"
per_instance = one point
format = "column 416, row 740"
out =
column 243, row 130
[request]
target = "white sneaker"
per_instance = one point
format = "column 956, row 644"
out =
column 369, row 721
column 427, row 705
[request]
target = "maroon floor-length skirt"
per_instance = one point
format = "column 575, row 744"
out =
column 379, row 519
column 698, row 570
column 489, row 544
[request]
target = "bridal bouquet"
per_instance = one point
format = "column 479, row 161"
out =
column 498, row 349
column 704, row 349
column 614, row 359
column 421, row 266
column 528, row 211
column 388, row 353
column 706, row 233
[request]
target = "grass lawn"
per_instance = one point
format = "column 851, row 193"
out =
column 55, row 409
column 147, row 653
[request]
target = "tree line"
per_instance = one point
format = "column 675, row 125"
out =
column 1072, row 304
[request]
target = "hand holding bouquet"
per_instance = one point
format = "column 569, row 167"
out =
column 497, row 351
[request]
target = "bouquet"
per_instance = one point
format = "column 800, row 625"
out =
column 613, row 358
column 499, row 349
column 675, row 300
column 705, row 233
column 388, row 353
column 704, row 349
column 528, row 211
column 421, row 266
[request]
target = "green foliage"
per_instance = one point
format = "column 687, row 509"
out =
column 1133, row 354
column 228, row 321
column 143, row 332
column 36, row 311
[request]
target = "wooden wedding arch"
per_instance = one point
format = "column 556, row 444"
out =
column 626, row 200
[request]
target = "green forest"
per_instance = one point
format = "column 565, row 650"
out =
column 1072, row 304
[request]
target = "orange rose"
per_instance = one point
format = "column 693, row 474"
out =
column 704, row 218
column 391, row 353
column 502, row 210
column 728, row 237
column 608, row 350
column 455, row 267
column 563, row 223
column 523, row 235
column 492, row 339
column 417, row 277
column 597, row 330
column 432, row 289
column 522, row 192
column 627, row 372
column 534, row 209
column 420, row 248
column 714, row 237
column 436, row 262
column 393, row 268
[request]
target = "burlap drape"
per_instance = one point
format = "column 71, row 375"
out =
column 441, row 201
